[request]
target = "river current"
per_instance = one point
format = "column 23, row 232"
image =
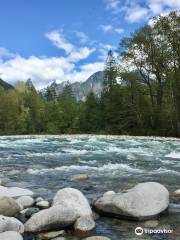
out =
column 46, row 164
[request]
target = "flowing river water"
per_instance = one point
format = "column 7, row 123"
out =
column 46, row 164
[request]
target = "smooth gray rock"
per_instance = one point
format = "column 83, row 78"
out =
column 144, row 201
column 14, row 192
column 84, row 226
column 8, row 207
column 73, row 200
column 10, row 235
column 10, row 224
column 25, row 201
column 49, row 219
column 97, row 238
column 43, row 204
column 50, row 235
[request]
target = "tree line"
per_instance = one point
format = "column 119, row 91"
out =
column 140, row 96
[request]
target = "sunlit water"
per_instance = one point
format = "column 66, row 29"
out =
column 47, row 164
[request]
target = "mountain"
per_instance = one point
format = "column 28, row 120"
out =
column 5, row 85
column 80, row 90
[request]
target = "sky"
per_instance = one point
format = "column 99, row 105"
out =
column 60, row 40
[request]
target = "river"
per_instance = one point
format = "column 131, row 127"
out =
column 46, row 164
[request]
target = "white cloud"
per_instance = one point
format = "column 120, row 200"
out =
column 59, row 41
column 82, row 36
column 80, row 54
column 110, row 28
column 43, row 71
column 134, row 11
column 5, row 53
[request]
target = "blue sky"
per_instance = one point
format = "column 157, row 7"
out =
column 48, row 40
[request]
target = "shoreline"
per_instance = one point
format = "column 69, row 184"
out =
column 87, row 136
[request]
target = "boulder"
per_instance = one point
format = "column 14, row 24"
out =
column 84, row 226
column 73, row 200
column 52, row 218
column 80, row 177
column 42, row 204
column 10, row 224
column 14, row 192
column 25, row 201
column 97, row 238
column 8, row 207
column 144, row 201
column 50, row 235
column 10, row 235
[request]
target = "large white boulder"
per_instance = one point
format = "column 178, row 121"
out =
column 10, row 235
column 74, row 200
column 8, row 206
column 10, row 224
column 14, row 192
column 143, row 201
column 25, row 201
column 49, row 219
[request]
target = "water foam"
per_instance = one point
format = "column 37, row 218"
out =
column 173, row 155
column 106, row 168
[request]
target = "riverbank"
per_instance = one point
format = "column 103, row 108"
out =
column 87, row 136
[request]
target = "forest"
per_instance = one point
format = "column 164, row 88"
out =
column 140, row 96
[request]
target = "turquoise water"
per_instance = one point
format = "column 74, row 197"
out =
column 47, row 164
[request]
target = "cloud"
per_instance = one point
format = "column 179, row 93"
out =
column 43, row 70
column 58, row 40
column 5, row 53
column 73, row 53
column 110, row 28
column 82, row 36
column 135, row 11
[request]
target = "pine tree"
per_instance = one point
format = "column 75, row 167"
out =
column 110, row 72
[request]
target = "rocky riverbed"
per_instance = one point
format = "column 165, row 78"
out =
column 112, row 174
column 70, row 216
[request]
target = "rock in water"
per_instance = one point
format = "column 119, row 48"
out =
column 97, row 238
column 8, row 206
column 49, row 219
column 25, row 201
column 42, row 204
column 84, row 226
column 73, row 200
column 14, row 192
column 10, row 235
column 10, row 224
column 144, row 201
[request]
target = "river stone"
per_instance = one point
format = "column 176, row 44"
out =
column 39, row 199
column 73, row 200
column 84, row 226
column 80, row 177
column 151, row 223
column 8, row 206
column 10, row 224
column 97, row 238
column 42, row 204
column 10, row 235
column 14, row 192
column 50, row 219
column 144, row 201
column 50, row 235
column 25, row 201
